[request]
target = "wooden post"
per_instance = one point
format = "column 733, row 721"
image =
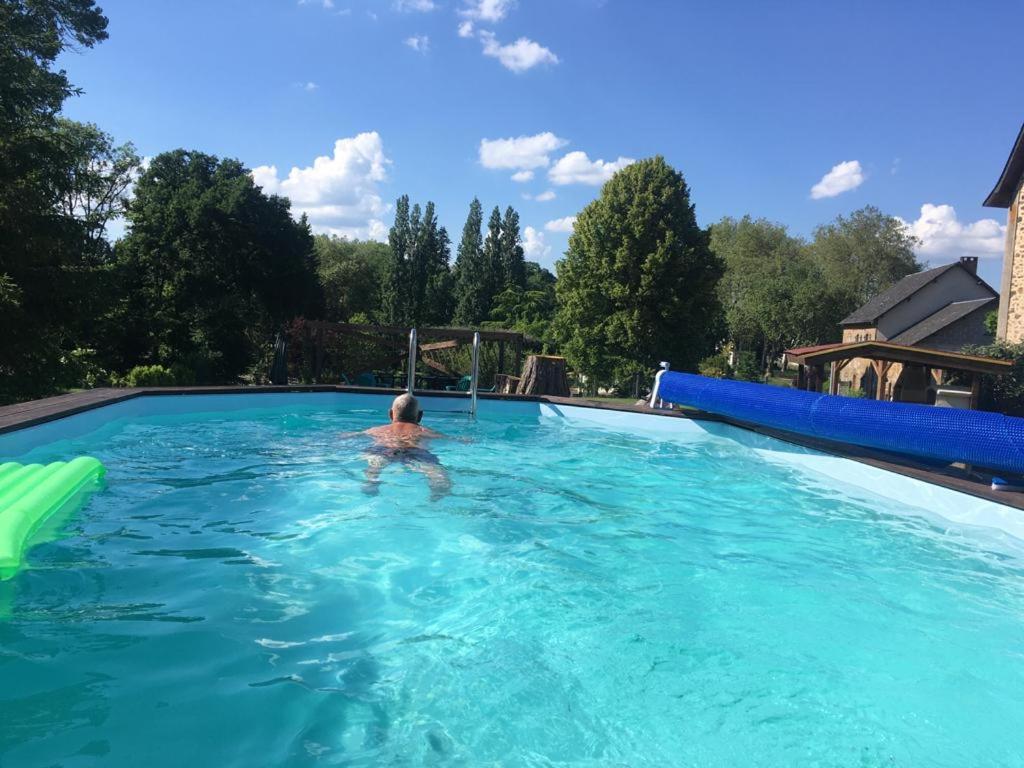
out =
column 501, row 357
column 975, row 391
column 879, row 379
column 833, row 379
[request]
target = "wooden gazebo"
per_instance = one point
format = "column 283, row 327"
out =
column 882, row 355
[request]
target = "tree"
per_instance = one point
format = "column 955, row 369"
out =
column 42, row 251
column 513, row 270
column 529, row 309
column 212, row 268
column 430, row 277
column 773, row 294
column 352, row 274
column 470, row 271
column 490, row 279
column 418, row 281
column 638, row 282
column 395, row 298
column 863, row 254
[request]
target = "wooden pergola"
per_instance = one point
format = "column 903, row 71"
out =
column 430, row 342
column 882, row 354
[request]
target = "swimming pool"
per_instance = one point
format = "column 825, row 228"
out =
column 598, row 589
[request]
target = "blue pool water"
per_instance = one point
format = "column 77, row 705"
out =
column 583, row 597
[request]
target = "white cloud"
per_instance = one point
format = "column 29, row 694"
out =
column 565, row 224
column 522, row 153
column 522, row 176
column 944, row 236
column 415, row 6
column 466, row 29
column 543, row 197
column 577, row 168
column 487, row 10
column 310, row 86
column 328, row 4
column 534, row 246
column 340, row 192
column 519, row 56
column 842, row 178
column 419, row 43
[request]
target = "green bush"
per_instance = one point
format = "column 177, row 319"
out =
column 1004, row 393
column 716, row 366
column 747, row 368
column 149, row 376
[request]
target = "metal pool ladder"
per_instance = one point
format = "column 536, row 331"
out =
column 474, row 377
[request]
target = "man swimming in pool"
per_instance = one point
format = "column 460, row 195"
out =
column 403, row 441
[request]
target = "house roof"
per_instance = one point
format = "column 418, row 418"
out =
column 902, row 290
column 945, row 317
column 1002, row 194
column 898, row 353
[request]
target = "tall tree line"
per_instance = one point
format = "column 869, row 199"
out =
column 422, row 287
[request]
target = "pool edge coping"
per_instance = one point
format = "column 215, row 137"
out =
column 35, row 412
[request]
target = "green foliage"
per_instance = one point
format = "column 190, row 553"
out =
column 418, row 281
column 861, row 255
column 528, row 309
column 50, row 252
column 470, row 273
column 747, row 368
column 773, row 292
column 1004, row 393
column 638, row 283
column 487, row 268
column 716, row 366
column 513, row 265
column 149, row 376
column 211, row 267
column 353, row 274
column 992, row 322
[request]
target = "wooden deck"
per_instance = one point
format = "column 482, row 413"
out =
column 973, row 483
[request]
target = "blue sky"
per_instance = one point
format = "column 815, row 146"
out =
column 897, row 104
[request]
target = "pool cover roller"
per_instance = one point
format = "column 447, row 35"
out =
column 30, row 494
column 980, row 438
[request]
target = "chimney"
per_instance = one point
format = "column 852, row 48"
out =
column 970, row 263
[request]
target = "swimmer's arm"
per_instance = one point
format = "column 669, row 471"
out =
column 441, row 436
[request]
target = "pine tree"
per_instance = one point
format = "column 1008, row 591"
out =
column 394, row 297
column 468, row 269
column 513, row 272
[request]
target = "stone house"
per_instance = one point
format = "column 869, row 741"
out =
column 940, row 309
column 1009, row 194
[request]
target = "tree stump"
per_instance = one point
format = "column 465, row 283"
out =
column 544, row 375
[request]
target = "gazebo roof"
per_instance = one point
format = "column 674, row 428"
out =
column 898, row 353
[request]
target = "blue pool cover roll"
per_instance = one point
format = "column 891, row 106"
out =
column 945, row 434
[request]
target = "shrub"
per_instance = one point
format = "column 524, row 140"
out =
column 716, row 366
column 149, row 376
column 747, row 368
column 1005, row 393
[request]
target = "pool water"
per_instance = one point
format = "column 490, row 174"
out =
column 582, row 597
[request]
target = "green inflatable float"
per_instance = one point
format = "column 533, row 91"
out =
column 30, row 494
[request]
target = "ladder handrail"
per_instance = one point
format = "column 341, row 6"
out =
column 410, row 383
column 474, row 379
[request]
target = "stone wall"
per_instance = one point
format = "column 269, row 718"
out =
column 1011, row 309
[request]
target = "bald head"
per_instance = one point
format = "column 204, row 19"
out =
column 406, row 408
